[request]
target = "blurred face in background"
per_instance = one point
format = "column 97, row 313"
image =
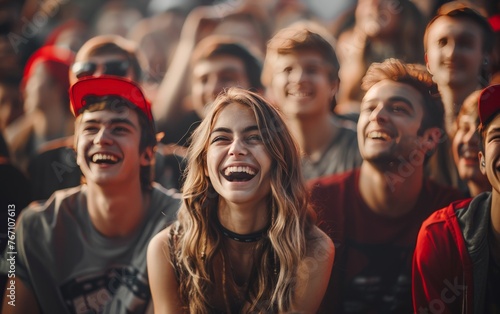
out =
column 301, row 85
column 465, row 148
column 378, row 18
column 109, row 64
column 42, row 91
column 212, row 75
column 454, row 53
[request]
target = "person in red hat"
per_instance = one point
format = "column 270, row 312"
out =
column 84, row 249
column 46, row 115
column 456, row 266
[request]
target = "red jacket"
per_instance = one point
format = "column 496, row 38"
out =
column 450, row 262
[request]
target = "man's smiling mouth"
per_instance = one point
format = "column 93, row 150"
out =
column 102, row 158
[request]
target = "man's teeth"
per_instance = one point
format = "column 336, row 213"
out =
column 230, row 170
column 104, row 157
column 378, row 135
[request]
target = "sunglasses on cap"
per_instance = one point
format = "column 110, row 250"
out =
column 88, row 68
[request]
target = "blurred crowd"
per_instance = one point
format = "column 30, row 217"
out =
column 167, row 43
column 184, row 53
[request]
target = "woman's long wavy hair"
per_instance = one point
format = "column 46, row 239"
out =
column 291, row 219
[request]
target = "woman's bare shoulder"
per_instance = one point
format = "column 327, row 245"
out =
column 319, row 243
column 160, row 242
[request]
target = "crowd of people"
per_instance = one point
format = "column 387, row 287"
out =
column 250, row 156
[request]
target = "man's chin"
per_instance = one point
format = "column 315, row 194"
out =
column 383, row 161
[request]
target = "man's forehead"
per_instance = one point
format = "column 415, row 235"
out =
column 107, row 116
column 454, row 24
column 387, row 89
column 494, row 125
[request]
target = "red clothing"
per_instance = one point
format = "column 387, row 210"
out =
column 450, row 265
column 372, row 270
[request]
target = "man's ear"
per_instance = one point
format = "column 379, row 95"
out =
column 147, row 156
column 482, row 163
column 335, row 89
column 427, row 63
column 431, row 139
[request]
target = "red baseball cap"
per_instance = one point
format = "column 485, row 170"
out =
column 489, row 103
column 57, row 59
column 106, row 85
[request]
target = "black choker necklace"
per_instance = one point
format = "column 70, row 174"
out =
column 251, row 237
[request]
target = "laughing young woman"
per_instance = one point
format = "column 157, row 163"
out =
column 245, row 240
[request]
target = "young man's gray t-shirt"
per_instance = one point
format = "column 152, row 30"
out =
column 72, row 268
column 341, row 155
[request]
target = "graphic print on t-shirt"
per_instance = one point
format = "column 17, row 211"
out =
column 120, row 289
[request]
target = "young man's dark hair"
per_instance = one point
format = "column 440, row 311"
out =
column 214, row 46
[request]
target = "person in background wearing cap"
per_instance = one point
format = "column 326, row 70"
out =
column 46, row 114
column 53, row 167
column 456, row 265
column 84, row 249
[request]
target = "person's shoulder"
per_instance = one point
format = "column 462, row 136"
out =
column 445, row 214
column 55, row 202
column 163, row 240
column 440, row 194
column 167, row 194
column 167, row 200
column 39, row 213
column 163, row 196
column 433, row 187
column 318, row 242
column 317, row 236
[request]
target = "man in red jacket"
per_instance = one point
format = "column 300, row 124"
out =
column 456, row 266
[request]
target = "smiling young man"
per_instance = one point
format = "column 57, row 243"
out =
column 373, row 213
column 458, row 42
column 301, row 76
column 84, row 249
column 456, row 267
